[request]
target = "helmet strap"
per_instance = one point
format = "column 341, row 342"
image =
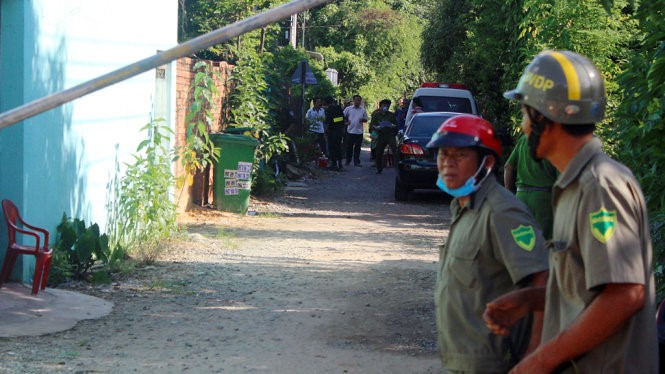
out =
column 471, row 185
column 538, row 124
column 482, row 173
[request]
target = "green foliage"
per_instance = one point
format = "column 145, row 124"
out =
column 306, row 147
column 145, row 213
column 78, row 248
column 250, row 105
column 265, row 183
column 249, row 102
column 256, row 101
column 639, row 123
column 353, row 71
column 198, row 17
column 374, row 45
column 199, row 151
column 60, row 270
column 487, row 44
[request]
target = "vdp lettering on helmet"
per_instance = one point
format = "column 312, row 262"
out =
column 539, row 82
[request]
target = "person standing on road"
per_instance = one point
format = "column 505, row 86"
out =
column 335, row 132
column 384, row 123
column 494, row 246
column 316, row 118
column 401, row 112
column 599, row 301
column 531, row 180
column 355, row 117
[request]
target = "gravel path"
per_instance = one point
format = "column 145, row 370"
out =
column 333, row 276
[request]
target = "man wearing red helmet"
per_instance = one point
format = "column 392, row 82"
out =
column 599, row 302
column 493, row 247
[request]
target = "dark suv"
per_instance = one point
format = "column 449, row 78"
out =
column 416, row 165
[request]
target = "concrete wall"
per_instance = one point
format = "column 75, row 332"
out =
column 61, row 161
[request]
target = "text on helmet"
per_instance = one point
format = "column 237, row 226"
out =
column 538, row 82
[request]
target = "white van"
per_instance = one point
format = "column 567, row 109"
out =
column 441, row 97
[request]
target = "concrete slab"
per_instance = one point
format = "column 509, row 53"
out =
column 52, row 310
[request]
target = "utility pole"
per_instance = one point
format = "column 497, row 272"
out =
column 302, row 42
column 294, row 30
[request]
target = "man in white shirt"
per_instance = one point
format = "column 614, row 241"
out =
column 354, row 117
column 316, row 118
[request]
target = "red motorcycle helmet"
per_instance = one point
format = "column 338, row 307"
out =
column 466, row 130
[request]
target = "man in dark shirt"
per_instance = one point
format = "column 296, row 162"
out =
column 335, row 131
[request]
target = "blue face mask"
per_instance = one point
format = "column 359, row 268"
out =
column 469, row 187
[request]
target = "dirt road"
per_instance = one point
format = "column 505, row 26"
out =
column 332, row 277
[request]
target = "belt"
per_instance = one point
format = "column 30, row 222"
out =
column 533, row 189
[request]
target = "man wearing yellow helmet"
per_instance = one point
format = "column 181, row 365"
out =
column 599, row 301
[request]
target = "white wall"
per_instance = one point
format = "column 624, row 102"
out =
column 76, row 41
column 62, row 160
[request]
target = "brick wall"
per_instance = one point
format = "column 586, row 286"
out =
column 200, row 193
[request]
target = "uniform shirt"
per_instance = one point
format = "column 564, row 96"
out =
column 400, row 115
column 316, row 119
column 534, row 180
column 355, row 116
column 334, row 117
column 493, row 244
column 601, row 236
column 379, row 116
column 529, row 172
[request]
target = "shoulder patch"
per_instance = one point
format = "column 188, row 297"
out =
column 603, row 224
column 525, row 237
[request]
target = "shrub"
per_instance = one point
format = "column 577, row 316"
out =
column 141, row 210
column 78, row 248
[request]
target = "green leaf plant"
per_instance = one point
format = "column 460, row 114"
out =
column 199, row 152
column 81, row 246
column 145, row 211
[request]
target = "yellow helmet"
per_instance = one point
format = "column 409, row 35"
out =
column 563, row 86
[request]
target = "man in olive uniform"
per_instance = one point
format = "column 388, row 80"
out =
column 532, row 181
column 384, row 122
column 599, row 301
column 493, row 247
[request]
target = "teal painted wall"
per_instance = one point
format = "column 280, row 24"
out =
column 62, row 160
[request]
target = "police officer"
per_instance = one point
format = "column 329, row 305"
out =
column 599, row 300
column 493, row 247
column 384, row 123
column 335, row 131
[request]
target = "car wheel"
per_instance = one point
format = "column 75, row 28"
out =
column 401, row 192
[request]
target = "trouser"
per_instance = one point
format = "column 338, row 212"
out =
column 321, row 141
column 374, row 136
column 335, row 136
column 381, row 143
column 353, row 144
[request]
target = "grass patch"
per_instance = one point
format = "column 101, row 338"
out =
column 227, row 237
column 270, row 215
column 173, row 286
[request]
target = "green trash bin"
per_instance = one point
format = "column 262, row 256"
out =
column 233, row 173
column 248, row 131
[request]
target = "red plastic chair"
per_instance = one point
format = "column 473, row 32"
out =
column 42, row 253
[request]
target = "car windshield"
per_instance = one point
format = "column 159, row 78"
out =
column 425, row 126
column 444, row 104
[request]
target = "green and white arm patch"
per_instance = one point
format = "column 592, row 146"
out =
column 524, row 237
column 603, row 224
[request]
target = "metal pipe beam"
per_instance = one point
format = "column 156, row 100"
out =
column 38, row 106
